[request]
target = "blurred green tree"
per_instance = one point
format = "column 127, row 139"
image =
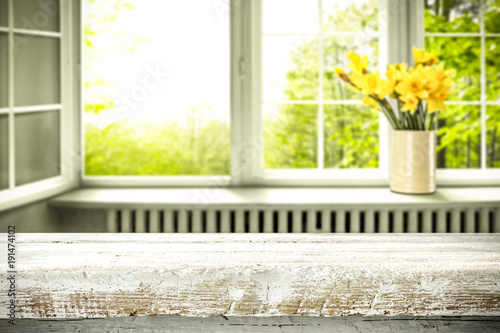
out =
column 459, row 129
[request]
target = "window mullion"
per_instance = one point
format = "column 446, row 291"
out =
column 246, row 141
column 11, row 96
column 320, row 115
column 483, row 86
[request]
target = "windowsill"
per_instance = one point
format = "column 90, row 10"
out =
column 241, row 197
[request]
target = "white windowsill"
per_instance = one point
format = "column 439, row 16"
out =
column 244, row 197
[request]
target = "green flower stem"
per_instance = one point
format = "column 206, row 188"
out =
column 423, row 115
column 431, row 121
column 387, row 111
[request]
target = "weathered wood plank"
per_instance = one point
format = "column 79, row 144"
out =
column 109, row 275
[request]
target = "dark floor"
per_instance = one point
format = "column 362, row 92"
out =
column 259, row 324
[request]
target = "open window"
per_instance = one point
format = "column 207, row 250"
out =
column 37, row 104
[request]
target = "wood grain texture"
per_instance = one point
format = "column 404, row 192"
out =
column 110, row 275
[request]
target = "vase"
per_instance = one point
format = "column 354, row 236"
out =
column 413, row 162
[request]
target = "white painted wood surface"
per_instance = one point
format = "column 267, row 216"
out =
column 242, row 197
column 111, row 275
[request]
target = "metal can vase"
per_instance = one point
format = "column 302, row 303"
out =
column 413, row 162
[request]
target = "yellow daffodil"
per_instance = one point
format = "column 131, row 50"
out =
column 367, row 100
column 371, row 84
column 357, row 79
column 413, row 83
column 425, row 58
column 342, row 74
column 439, row 93
column 359, row 63
column 394, row 74
column 410, row 103
column 442, row 74
column 420, row 89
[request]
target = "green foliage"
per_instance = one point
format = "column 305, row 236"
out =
column 132, row 149
column 290, row 139
column 351, row 136
column 459, row 133
column 350, row 130
column 104, row 20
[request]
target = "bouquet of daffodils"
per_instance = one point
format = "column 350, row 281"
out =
column 419, row 91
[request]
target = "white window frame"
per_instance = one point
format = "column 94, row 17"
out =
column 481, row 176
column 403, row 27
column 257, row 175
column 68, row 109
column 402, row 23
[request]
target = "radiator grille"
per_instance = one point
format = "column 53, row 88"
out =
column 441, row 220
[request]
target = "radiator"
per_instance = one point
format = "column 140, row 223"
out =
column 467, row 219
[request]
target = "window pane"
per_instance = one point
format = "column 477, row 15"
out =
column 492, row 16
column 493, row 68
column 290, row 16
column 459, row 137
column 37, row 146
column 4, row 70
column 493, row 137
column 351, row 136
column 336, row 49
column 452, row 16
column 128, row 149
column 157, row 85
column 342, row 15
column 462, row 54
column 4, row 151
column 37, row 67
column 3, row 13
column 290, row 136
column 36, row 15
column 290, row 68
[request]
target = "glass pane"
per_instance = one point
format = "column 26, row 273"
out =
column 290, row 68
column 462, row 54
column 157, row 88
column 452, row 16
column 36, row 15
column 341, row 15
column 493, row 137
column 351, row 136
column 4, row 70
column 3, row 13
column 492, row 16
column 493, row 68
column 459, row 137
column 290, row 16
column 37, row 146
column 336, row 49
column 37, row 67
column 4, row 151
column 290, row 136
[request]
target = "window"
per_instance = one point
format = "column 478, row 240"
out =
column 157, row 88
column 465, row 34
column 310, row 120
column 35, row 100
column 292, row 121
